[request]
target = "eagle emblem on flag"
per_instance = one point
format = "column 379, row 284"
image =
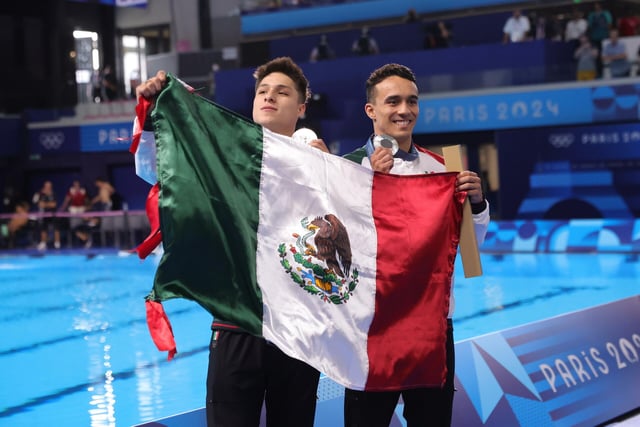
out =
column 319, row 260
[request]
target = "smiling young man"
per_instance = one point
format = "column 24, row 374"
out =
column 246, row 371
column 392, row 106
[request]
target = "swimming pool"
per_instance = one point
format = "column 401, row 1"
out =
column 76, row 350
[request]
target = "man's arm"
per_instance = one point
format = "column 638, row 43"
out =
column 471, row 183
column 481, row 223
column 145, row 155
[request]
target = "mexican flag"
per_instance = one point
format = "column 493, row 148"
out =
column 343, row 268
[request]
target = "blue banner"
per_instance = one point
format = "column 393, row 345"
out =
column 106, row 136
column 620, row 142
column 532, row 107
column 53, row 140
column 579, row 369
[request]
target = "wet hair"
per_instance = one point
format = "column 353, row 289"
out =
column 286, row 66
column 384, row 72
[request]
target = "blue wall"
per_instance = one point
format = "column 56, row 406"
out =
column 472, row 30
column 353, row 12
column 11, row 134
column 341, row 81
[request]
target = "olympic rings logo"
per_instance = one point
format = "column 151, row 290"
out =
column 51, row 140
column 561, row 140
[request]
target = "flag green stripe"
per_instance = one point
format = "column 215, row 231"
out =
column 209, row 163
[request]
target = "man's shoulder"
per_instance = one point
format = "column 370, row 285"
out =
column 437, row 157
column 356, row 155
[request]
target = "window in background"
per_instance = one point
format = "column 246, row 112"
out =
column 87, row 65
column 134, row 62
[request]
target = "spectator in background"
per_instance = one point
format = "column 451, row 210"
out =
column 411, row 16
column 45, row 203
column 103, row 201
column 587, row 56
column 598, row 23
column 322, row 50
column 628, row 24
column 548, row 28
column 439, row 35
column 85, row 230
column 541, row 24
column 19, row 231
column 109, row 84
column 106, row 199
column 76, row 200
column 614, row 54
column 517, row 28
column 576, row 27
column 365, row 44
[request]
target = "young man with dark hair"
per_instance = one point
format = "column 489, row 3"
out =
column 392, row 105
column 245, row 370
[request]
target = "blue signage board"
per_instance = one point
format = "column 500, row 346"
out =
column 585, row 147
column 579, row 369
column 53, row 140
column 531, row 107
column 504, row 110
column 106, row 136
column 570, row 172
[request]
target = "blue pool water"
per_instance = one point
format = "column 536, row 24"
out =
column 76, row 351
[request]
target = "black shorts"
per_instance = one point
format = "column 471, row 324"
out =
column 246, row 371
column 49, row 221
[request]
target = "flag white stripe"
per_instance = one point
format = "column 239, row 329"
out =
column 331, row 337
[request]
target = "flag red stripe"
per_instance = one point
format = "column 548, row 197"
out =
column 155, row 236
column 160, row 328
column 416, row 250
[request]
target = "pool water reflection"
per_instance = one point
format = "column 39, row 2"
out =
column 76, row 351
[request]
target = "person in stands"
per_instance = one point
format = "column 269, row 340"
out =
column 322, row 50
column 365, row 44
